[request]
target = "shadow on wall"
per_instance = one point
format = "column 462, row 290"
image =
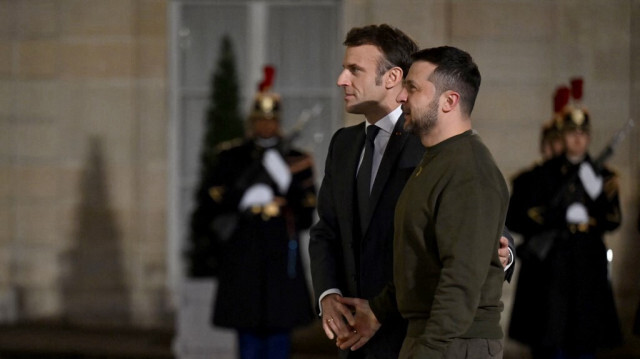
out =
column 94, row 290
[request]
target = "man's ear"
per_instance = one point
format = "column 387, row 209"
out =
column 393, row 77
column 450, row 99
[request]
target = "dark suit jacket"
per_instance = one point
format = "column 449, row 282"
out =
column 341, row 257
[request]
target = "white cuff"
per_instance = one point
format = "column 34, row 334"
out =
column 510, row 262
column 258, row 194
column 326, row 293
column 577, row 213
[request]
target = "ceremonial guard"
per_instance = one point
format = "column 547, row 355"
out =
column 264, row 195
column 564, row 306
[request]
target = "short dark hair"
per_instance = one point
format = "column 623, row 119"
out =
column 395, row 45
column 455, row 70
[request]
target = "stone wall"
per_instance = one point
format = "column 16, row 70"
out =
column 83, row 164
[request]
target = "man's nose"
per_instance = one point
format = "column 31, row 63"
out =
column 343, row 79
column 402, row 96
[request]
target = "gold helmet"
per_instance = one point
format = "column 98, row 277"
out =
column 266, row 104
column 576, row 117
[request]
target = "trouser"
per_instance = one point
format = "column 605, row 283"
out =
column 476, row 348
column 268, row 345
column 554, row 353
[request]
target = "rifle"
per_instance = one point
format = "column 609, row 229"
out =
column 287, row 141
column 225, row 224
column 303, row 119
column 598, row 163
column 611, row 146
column 255, row 169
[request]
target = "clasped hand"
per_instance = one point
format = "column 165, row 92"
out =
column 349, row 320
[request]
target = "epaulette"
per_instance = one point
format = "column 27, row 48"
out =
column 227, row 145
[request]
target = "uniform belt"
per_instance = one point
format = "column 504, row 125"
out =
column 266, row 211
column 578, row 228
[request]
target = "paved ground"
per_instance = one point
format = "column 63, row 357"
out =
column 57, row 341
column 65, row 341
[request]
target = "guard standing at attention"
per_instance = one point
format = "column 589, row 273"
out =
column 577, row 203
column 264, row 195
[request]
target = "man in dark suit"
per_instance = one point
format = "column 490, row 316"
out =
column 351, row 245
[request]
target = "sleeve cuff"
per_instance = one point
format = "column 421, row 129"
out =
column 511, row 260
column 326, row 293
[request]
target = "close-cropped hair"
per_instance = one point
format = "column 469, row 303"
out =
column 455, row 71
column 395, row 45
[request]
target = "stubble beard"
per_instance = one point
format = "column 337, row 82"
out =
column 424, row 123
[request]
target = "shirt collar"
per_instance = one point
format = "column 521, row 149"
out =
column 388, row 122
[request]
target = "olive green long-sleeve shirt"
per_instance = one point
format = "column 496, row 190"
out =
column 448, row 222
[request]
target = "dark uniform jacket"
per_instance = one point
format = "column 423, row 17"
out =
column 564, row 297
column 261, row 281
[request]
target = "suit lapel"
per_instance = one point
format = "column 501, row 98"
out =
column 389, row 160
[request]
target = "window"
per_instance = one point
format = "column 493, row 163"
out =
column 300, row 38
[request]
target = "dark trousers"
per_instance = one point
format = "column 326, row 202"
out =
column 269, row 345
column 458, row 349
column 551, row 353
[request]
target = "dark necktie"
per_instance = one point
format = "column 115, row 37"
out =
column 364, row 177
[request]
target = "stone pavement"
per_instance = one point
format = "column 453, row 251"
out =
column 58, row 341
column 54, row 340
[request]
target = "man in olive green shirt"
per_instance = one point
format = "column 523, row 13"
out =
column 447, row 274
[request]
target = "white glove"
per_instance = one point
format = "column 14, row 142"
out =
column 577, row 214
column 277, row 169
column 590, row 180
column 258, row 194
